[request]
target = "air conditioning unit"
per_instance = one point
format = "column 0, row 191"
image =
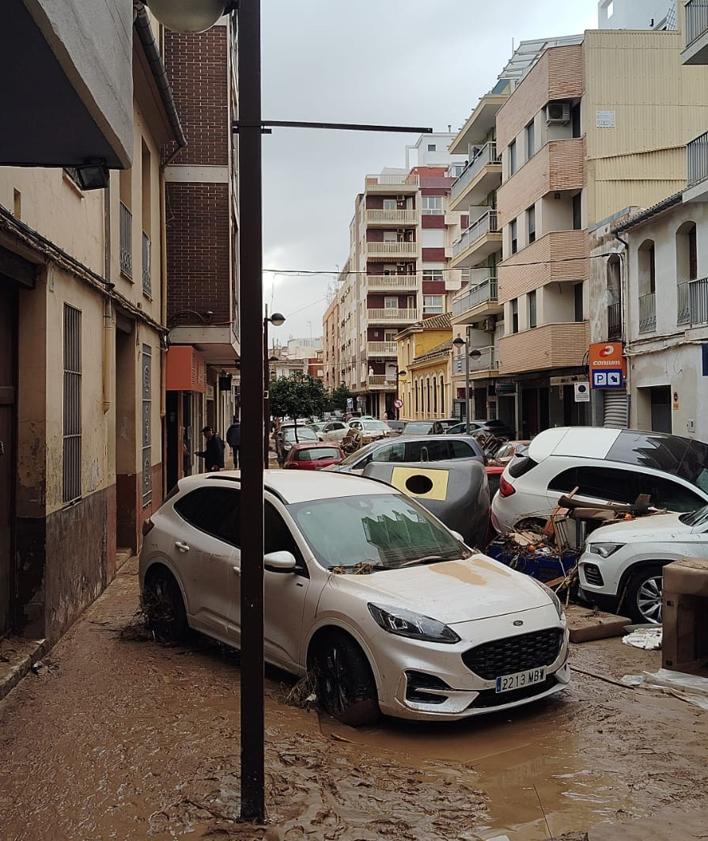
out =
column 558, row 113
column 489, row 324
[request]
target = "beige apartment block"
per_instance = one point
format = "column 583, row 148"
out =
column 591, row 128
column 81, row 321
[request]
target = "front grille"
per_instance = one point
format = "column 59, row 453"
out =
column 514, row 654
column 418, row 682
column 593, row 575
column 490, row 698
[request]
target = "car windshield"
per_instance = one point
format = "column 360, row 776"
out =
column 302, row 433
column 380, row 531
column 317, row 453
column 420, row 428
column 352, row 458
column 699, row 517
column 682, row 457
column 374, row 426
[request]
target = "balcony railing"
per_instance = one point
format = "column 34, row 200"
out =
column 683, row 306
column 392, row 282
column 126, row 241
column 697, row 156
column 698, row 301
column 647, row 312
column 614, row 322
column 482, row 359
column 382, row 348
column 394, row 217
column 381, row 380
column 474, row 296
column 696, row 12
column 486, row 155
column 387, row 314
column 392, row 249
column 487, row 223
column 147, row 268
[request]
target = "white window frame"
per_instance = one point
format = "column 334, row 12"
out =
column 390, row 302
column 432, row 308
column 432, row 205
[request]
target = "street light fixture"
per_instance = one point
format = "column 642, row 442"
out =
column 277, row 320
column 190, row 15
column 399, row 374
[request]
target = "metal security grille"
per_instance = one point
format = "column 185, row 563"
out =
column 126, row 241
column 72, row 404
column 147, row 273
column 514, row 654
column 147, row 431
column 616, row 410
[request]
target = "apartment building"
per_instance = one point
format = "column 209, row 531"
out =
column 397, row 272
column 592, row 127
column 82, row 296
column 330, row 345
column 202, row 244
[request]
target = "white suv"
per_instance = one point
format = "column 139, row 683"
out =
column 621, row 568
column 604, row 464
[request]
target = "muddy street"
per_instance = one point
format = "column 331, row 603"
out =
column 120, row 737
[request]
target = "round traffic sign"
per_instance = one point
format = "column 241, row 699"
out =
column 398, row 404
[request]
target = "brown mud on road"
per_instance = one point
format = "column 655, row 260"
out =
column 126, row 739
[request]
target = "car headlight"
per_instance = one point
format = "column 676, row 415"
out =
column 604, row 550
column 552, row 596
column 405, row 623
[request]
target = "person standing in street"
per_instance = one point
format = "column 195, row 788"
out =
column 213, row 453
column 233, row 438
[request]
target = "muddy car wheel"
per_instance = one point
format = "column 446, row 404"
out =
column 643, row 599
column 164, row 606
column 346, row 688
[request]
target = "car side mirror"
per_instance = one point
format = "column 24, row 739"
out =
column 280, row 562
column 457, row 536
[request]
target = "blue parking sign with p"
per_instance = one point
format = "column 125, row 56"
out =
column 607, row 379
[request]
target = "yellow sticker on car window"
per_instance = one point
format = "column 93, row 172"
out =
column 421, row 483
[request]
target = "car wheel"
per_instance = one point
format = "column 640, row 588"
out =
column 164, row 606
column 643, row 596
column 346, row 688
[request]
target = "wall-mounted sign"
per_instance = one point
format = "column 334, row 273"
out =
column 608, row 366
column 582, row 392
column 605, row 119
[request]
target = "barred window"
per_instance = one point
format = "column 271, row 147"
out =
column 71, row 426
column 147, row 430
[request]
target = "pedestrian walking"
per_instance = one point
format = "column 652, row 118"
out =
column 233, row 438
column 213, row 453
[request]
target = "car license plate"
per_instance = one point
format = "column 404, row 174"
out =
column 520, row 679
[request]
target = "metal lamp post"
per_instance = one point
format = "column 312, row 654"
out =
column 460, row 343
column 399, row 374
column 277, row 320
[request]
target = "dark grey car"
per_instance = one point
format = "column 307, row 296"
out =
column 413, row 448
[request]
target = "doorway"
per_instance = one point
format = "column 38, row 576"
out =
column 126, row 443
column 660, row 398
column 8, row 397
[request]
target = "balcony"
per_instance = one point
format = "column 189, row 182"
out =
column 696, row 32
column 614, row 322
column 126, row 242
column 392, row 315
column 557, row 167
column 483, row 363
column 392, row 282
column 647, row 312
column 557, row 257
column 558, row 345
column 697, row 161
column 147, row 266
column 481, row 239
column 382, row 348
column 482, row 175
column 388, row 218
column 476, row 300
column 381, row 381
column 391, row 249
column 394, row 184
column 698, row 301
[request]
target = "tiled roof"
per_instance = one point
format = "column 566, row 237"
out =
column 644, row 215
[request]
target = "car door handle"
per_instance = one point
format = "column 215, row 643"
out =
column 236, row 570
column 182, row 546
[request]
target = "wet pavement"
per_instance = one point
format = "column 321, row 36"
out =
column 118, row 737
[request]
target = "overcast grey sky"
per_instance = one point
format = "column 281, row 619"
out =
column 410, row 62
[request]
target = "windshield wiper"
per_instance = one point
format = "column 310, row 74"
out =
column 428, row 559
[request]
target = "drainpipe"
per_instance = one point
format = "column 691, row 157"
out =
column 108, row 336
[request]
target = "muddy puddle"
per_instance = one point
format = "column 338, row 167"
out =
column 540, row 780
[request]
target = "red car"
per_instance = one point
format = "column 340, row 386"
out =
column 312, row 456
